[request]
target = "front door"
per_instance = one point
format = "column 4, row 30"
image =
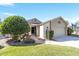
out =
column 33, row 30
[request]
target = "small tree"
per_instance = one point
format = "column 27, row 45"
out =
column 15, row 25
column 69, row 31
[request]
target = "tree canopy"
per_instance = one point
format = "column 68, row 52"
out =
column 15, row 25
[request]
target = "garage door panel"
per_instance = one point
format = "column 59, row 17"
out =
column 58, row 32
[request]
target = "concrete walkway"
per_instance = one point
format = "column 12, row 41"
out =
column 37, row 40
column 65, row 41
column 3, row 42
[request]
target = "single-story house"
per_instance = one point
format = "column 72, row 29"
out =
column 58, row 25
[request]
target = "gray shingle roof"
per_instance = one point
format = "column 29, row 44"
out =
column 34, row 21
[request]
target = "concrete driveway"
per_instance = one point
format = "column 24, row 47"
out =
column 65, row 41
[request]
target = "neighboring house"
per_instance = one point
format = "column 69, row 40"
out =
column 75, row 27
column 58, row 25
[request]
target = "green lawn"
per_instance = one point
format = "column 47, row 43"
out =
column 38, row 50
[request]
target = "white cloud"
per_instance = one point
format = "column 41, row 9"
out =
column 8, row 14
column 6, row 4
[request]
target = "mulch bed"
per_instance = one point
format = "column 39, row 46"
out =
column 20, row 43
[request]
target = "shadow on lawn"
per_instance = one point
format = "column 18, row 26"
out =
column 13, row 43
column 1, row 47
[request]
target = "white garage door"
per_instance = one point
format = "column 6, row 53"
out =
column 59, row 32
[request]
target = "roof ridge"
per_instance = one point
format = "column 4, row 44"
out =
column 34, row 20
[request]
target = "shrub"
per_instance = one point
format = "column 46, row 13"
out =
column 69, row 31
column 50, row 34
column 15, row 25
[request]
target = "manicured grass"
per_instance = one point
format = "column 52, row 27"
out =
column 39, row 50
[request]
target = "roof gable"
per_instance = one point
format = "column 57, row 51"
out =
column 34, row 21
column 61, row 18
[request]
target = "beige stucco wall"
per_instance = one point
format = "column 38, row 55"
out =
column 41, row 32
column 45, row 27
column 37, row 30
column 58, row 28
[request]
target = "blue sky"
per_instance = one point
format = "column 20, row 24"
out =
column 41, row 11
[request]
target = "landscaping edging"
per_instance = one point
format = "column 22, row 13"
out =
column 14, row 43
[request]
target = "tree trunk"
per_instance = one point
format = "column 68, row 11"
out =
column 15, row 37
